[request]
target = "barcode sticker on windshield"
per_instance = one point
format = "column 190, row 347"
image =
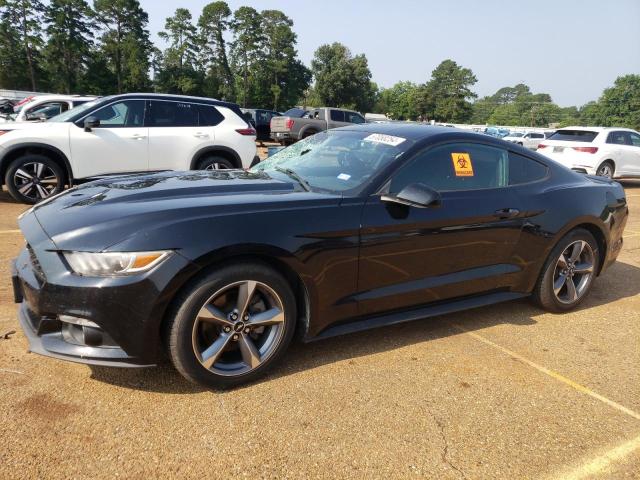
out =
column 386, row 139
column 344, row 176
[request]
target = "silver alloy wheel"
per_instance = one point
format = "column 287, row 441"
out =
column 35, row 180
column 238, row 328
column 573, row 272
column 216, row 166
column 605, row 170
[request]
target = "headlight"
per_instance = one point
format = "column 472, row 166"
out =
column 113, row 263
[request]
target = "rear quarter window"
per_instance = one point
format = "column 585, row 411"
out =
column 574, row 136
column 337, row 115
column 525, row 170
column 209, row 116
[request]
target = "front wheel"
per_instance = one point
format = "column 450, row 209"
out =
column 569, row 271
column 232, row 325
column 215, row 163
column 32, row 178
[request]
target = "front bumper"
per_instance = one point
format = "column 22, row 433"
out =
column 124, row 313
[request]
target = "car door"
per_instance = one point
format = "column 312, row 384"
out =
column 618, row 142
column 175, row 134
column 632, row 154
column 336, row 119
column 354, row 118
column 118, row 145
column 413, row 256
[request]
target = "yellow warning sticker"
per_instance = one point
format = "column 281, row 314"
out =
column 462, row 164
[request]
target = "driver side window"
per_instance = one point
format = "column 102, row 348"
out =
column 129, row 113
column 455, row 167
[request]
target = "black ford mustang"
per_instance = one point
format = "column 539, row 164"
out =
column 349, row 229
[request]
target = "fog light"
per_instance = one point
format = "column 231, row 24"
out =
column 77, row 321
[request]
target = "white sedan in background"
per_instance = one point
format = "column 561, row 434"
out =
column 609, row 152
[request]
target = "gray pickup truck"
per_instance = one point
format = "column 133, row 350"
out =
column 287, row 130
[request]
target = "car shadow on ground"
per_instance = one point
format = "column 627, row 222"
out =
column 621, row 281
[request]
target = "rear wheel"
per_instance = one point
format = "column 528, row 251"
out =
column 232, row 326
column 215, row 163
column 568, row 274
column 606, row 169
column 32, row 178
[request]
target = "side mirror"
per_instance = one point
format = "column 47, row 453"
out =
column 91, row 122
column 415, row 195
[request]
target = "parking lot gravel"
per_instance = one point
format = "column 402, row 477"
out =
column 502, row 392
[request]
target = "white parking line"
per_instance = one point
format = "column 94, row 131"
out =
column 553, row 374
column 9, row 231
column 601, row 463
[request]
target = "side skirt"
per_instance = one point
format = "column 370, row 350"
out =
column 417, row 314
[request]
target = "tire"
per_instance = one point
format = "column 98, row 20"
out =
column 606, row 169
column 215, row 163
column 32, row 178
column 211, row 347
column 561, row 270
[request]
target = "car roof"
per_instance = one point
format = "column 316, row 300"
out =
column 62, row 97
column 411, row 131
column 172, row 97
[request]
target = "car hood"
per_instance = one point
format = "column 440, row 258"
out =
column 103, row 213
column 35, row 125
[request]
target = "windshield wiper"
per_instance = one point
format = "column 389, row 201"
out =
column 296, row 177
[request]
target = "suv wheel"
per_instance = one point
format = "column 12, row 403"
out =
column 606, row 169
column 215, row 163
column 231, row 326
column 32, row 178
column 568, row 273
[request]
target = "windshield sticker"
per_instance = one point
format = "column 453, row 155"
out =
column 462, row 164
column 344, row 176
column 386, row 139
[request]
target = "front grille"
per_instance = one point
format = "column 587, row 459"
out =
column 35, row 263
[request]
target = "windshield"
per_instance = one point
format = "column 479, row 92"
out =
column 516, row 134
column 63, row 117
column 336, row 161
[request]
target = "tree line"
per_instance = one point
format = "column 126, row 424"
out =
column 250, row 57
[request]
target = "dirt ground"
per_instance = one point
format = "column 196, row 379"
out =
column 502, row 392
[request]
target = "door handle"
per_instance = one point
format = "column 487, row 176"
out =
column 201, row 135
column 506, row 213
column 138, row 137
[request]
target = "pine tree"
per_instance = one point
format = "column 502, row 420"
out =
column 69, row 31
column 246, row 50
column 22, row 24
column 212, row 25
column 125, row 42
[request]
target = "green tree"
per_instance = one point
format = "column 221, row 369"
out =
column 450, row 90
column 21, row 21
column 619, row 106
column 13, row 64
column 69, row 31
column 402, row 101
column 285, row 77
column 341, row 79
column 212, row 26
column 125, row 42
column 178, row 72
column 246, row 51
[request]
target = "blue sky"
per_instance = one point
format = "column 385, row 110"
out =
column 572, row 49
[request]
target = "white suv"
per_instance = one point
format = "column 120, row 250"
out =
column 526, row 139
column 128, row 133
column 609, row 152
column 44, row 107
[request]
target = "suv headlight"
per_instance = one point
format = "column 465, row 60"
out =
column 106, row 264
